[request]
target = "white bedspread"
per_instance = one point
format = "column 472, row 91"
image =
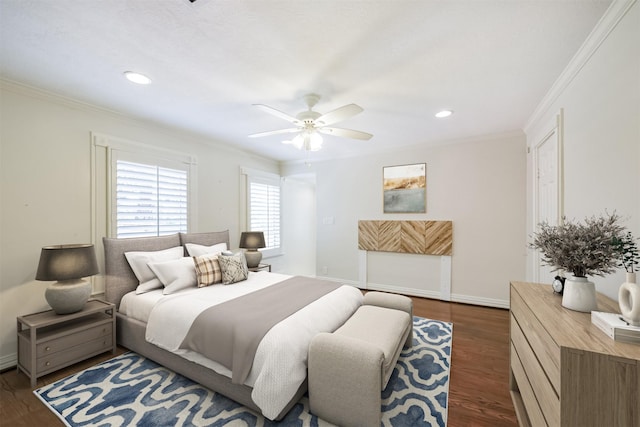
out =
column 139, row 306
column 280, row 364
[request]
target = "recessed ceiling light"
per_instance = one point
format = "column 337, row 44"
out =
column 444, row 113
column 138, row 78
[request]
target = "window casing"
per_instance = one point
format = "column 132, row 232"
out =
column 145, row 166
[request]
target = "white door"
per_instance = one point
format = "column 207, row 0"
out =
column 548, row 190
column 299, row 225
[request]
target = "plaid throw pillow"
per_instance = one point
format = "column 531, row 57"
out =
column 207, row 270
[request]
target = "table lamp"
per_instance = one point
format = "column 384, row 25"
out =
column 252, row 241
column 68, row 264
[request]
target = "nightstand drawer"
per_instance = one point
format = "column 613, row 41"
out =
column 72, row 340
column 48, row 341
column 74, row 354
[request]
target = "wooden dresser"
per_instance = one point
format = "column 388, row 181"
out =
column 564, row 370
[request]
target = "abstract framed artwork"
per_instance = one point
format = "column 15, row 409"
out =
column 405, row 188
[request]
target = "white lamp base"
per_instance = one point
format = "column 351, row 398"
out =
column 68, row 296
column 253, row 258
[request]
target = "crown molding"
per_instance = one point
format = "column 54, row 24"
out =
column 175, row 132
column 47, row 95
column 614, row 14
column 435, row 144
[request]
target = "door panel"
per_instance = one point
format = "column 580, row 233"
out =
column 548, row 189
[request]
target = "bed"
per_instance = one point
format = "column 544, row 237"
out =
column 261, row 391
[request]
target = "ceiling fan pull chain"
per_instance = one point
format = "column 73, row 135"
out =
column 308, row 162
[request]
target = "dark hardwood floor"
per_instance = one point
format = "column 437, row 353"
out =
column 478, row 389
column 479, row 383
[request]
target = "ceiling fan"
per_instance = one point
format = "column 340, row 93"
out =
column 309, row 124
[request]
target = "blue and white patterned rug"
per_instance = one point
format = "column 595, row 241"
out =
column 130, row 390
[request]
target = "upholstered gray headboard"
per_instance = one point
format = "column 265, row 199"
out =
column 119, row 278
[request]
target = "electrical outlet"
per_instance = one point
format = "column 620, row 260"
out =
column 325, row 270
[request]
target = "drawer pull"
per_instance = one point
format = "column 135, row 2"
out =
column 47, row 349
column 48, row 364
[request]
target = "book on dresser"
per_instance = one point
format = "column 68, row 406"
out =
column 615, row 326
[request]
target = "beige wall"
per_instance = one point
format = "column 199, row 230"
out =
column 600, row 97
column 478, row 184
column 46, row 192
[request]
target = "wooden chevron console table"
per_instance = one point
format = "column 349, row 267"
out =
column 410, row 237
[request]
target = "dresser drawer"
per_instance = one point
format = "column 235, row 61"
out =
column 54, row 361
column 534, row 413
column 545, row 395
column 73, row 339
column 598, row 383
column 544, row 347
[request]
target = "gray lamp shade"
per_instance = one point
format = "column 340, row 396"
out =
column 67, row 262
column 252, row 240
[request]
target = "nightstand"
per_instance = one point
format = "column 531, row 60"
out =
column 48, row 341
column 261, row 267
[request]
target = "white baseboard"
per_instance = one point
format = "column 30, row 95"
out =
column 465, row 299
column 405, row 291
column 8, row 361
column 344, row 281
column 486, row 302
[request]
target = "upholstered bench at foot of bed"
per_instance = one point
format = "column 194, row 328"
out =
column 349, row 368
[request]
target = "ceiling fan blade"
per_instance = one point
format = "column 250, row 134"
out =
column 278, row 113
column 338, row 115
column 346, row 133
column 274, row 132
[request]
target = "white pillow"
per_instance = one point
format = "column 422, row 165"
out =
column 198, row 250
column 176, row 274
column 139, row 260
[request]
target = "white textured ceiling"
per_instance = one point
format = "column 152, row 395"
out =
column 490, row 61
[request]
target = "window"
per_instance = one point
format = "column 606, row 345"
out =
column 140, row 190
column 150, row 200
column 263, row 208
column 265, row 212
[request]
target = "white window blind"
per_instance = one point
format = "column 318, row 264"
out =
column 150, row 200
column 264, row 211
column 263, row 207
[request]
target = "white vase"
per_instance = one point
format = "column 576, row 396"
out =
column 579, row 294
column 629, row 300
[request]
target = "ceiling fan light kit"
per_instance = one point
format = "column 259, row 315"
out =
column 310, row 123
column 310, row 141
